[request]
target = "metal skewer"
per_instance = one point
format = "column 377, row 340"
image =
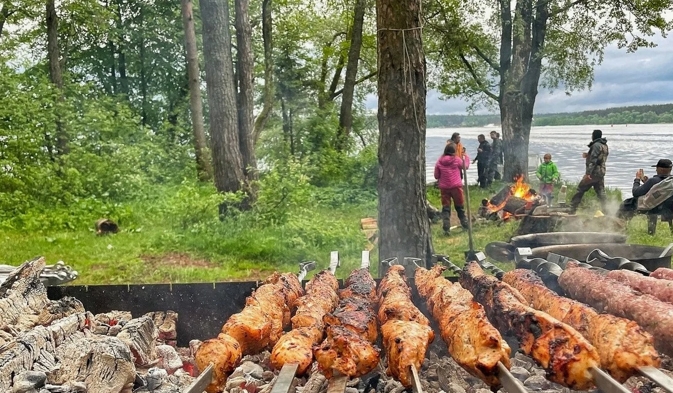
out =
column 415, row 380
column 334, row 262
column 285, row 378
column 657, row 377
column 202, row 381
column 337, row 384
column 606, row 383
column 304, row 268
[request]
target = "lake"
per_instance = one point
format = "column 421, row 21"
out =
column 631, row 146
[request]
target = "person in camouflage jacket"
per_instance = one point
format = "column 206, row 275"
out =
column 594, row 175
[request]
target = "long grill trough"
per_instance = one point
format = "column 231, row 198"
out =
column 159, row 352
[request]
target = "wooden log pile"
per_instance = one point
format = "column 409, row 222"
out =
column 57, row 346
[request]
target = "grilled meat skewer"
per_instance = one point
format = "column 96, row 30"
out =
column 472, row 341
column 567, row 357
column 622, row 345
column 258, row 325
column 616, row 298
column 660, row 289
column 347, row 348
column 296, row 346
column 405, row 330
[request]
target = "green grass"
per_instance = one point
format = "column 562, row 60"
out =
column 176, row 237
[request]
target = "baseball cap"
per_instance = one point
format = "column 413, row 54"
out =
column 664, row 163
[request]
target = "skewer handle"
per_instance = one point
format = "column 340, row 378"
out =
column 334, row 261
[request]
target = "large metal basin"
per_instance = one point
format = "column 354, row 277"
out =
column 648, row 256
column 561, row 238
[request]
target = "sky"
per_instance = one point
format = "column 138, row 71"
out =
column 643, row 77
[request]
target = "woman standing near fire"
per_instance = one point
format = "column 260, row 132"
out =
column 448, row 170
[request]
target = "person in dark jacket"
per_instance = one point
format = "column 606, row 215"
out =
column 594, row 175
column 497, row 157
column 483, row 158
column 628, row 208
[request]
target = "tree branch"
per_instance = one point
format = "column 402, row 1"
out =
column 478, row 81
column 357, row 82
column 487, row 59
column 562, row 9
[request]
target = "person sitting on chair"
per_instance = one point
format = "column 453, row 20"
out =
column 629, row 207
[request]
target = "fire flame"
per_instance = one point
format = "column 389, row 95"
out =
column 520, row 190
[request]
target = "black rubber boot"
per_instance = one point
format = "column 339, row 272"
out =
column 446, row 219
column 461, row 216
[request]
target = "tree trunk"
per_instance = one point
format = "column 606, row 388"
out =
column 346, row 113
column 123, row 78
column 4, row 14
column 143, row 71
column 221, row 88
column 204, row 170
column 403, row 221
column 246, row 91
column 55, row 74
column 267, row 37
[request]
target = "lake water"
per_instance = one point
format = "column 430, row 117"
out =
column 631, row 146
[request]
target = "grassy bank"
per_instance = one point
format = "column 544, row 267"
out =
column 176, row 236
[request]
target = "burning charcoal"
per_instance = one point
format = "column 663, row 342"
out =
column 315, row 383
column 114, row 317
column 353, row 382
column 537, row 383
column 520, row 373
column 268, row 375
column 248, row 369
column 170, row 360
column 194, row 346
column 154, row 378
column 140, row 335
column 28, row 380
column 351, row 390
column 101, row 329
column 455, row 388
column 431, row 374
column 114, row 330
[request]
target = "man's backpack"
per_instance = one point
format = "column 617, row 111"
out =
column 657, row 195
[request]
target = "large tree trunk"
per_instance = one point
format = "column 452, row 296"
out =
column 267, row 38
column 123, row 78
column 346, row 113
column 55, row 74
column 4, row 14
column 245, row 89
column 403, row 221
column 221, row 88
column 204, row 170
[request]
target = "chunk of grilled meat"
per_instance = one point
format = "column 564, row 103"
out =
column 608, row 295
column 356, row 315
column 296, row 346
column 472, row 341
column 405, row 343
column 224, row 353
column 351, row 329
column 345, row 352
column 662, row 273
column 561, row 350
column 258, row 325
column 406, row 334
column 660, row 289
column 395, row 299
column 361, row 284
column 622, row 345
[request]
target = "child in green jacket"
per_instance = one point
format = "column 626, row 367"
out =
column 547, row 173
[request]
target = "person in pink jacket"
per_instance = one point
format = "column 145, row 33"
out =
column 448, row 171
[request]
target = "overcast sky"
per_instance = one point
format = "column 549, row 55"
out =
column 643, row 77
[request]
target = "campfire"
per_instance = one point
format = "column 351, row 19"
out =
column 511, row 201
column 58, row 346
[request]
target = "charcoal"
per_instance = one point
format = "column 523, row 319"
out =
column 455, row 388
column 520, row 373
column 169, row 358
column 140, row 335
column 28, row 381
column 537, row 383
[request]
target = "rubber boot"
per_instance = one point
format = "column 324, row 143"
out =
column 460, row 210
column 446, row 219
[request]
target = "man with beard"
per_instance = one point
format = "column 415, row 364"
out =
column 594, row 175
